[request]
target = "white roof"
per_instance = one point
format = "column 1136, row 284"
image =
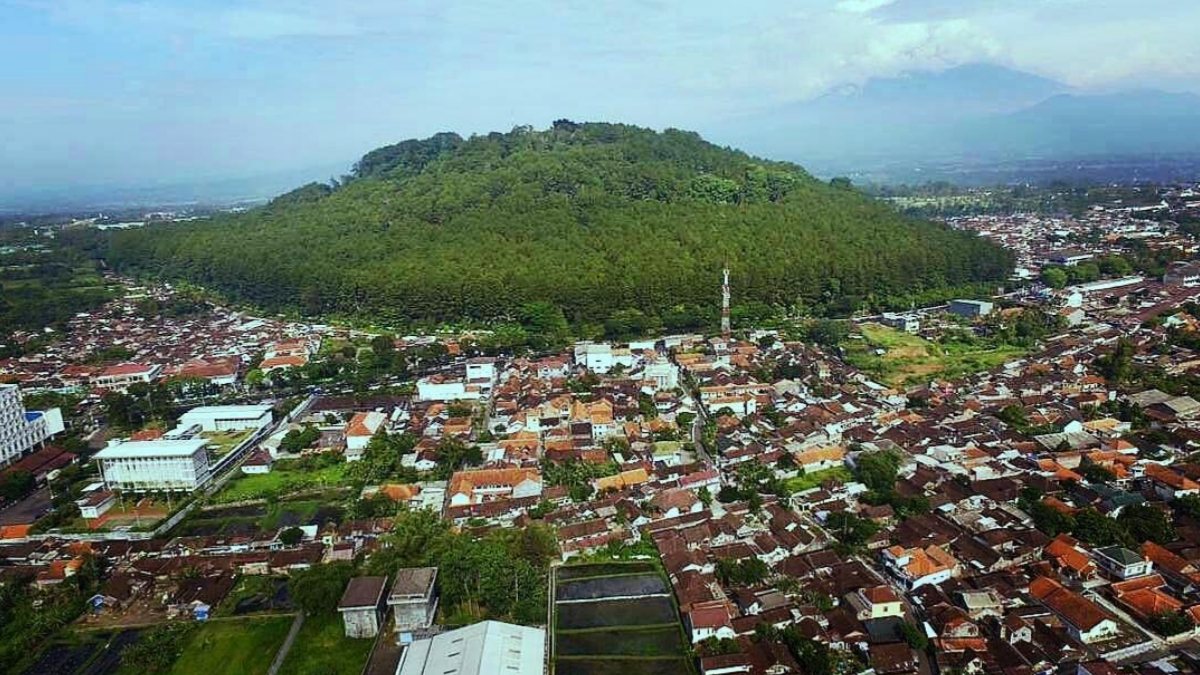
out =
column 230, row 410
column 485, row 648
column 160, row 448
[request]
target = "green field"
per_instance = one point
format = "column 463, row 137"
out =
column 235, row 647
column 322, row 648
column 909, row 359
column 816, row 478
column 282, row 480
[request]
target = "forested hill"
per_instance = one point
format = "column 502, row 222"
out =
column 596, row 219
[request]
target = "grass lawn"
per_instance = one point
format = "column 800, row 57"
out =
column 235, row 647
column 322, row 648
column 816, row 478
column 224, row 441
column 280, row 481
column 909, row 359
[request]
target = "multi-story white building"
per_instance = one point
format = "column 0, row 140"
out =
column 141, row 466
column 20, row 430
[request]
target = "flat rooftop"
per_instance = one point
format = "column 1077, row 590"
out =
column 147, row 449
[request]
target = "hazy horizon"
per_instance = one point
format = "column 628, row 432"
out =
column 123, row 93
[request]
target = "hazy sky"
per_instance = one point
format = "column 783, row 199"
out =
column 124, row 91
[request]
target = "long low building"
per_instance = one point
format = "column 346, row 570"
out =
column 227, row 417
column 143, row 466
column 485, row 648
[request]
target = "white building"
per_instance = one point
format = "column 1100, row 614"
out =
column 227, row 417
column 663, row 375
column 485, row 648
column 20, row 430
column 140, row 466
column 363, row 426
column 481, row 369
column 120, row 376
column 440, row 388
column 601, row 357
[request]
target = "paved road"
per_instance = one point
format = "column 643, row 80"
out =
column 28, row 509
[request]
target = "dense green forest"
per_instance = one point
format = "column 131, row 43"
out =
column 605, row 222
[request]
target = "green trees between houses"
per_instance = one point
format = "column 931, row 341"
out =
column 609, row 226
column 500, row 574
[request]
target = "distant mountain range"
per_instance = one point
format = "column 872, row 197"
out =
column 977, row 114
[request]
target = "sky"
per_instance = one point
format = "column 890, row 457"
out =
column 126, row 92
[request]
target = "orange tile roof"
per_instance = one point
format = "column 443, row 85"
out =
column 1170, row 478
column 1063, row 550
column 15, row 531
column 834, row 453
column 623, row 480
column 1071, row 606
column 399, row 492
column 465, row 482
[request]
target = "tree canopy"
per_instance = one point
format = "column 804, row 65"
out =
column 602, row 225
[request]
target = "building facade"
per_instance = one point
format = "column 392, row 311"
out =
column 143, row 466
column 20, row 430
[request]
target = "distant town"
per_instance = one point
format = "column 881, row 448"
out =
column 1000, row 484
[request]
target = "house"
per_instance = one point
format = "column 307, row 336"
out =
column 1169, row 484
column 363, row 426
column 622, row 480
column 413, row 598
column 258, row 462
column 1085, row 620
column 875, row 602
column 895, row 658
column 909, row 323
column 273, row 363
column 362, row 606
column 1122, row 563
column 485, row 648
column 95, row 503
column 483, row 485
column 820, row 459
column 916, row 567
column 710, row 619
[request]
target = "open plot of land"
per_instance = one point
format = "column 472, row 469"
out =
column 611, row 587
column 616, row 618
column 638, row 641
column 602, row 570
column 322, row 648
column 907, row 358
column 254, row 593
column 817, row 478
column 607, row 613
column 250, row 520
column 128, row 514
column 609, row 666
column 282, row 480
column 235, row 647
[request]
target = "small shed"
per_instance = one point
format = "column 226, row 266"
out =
column 362, row 606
